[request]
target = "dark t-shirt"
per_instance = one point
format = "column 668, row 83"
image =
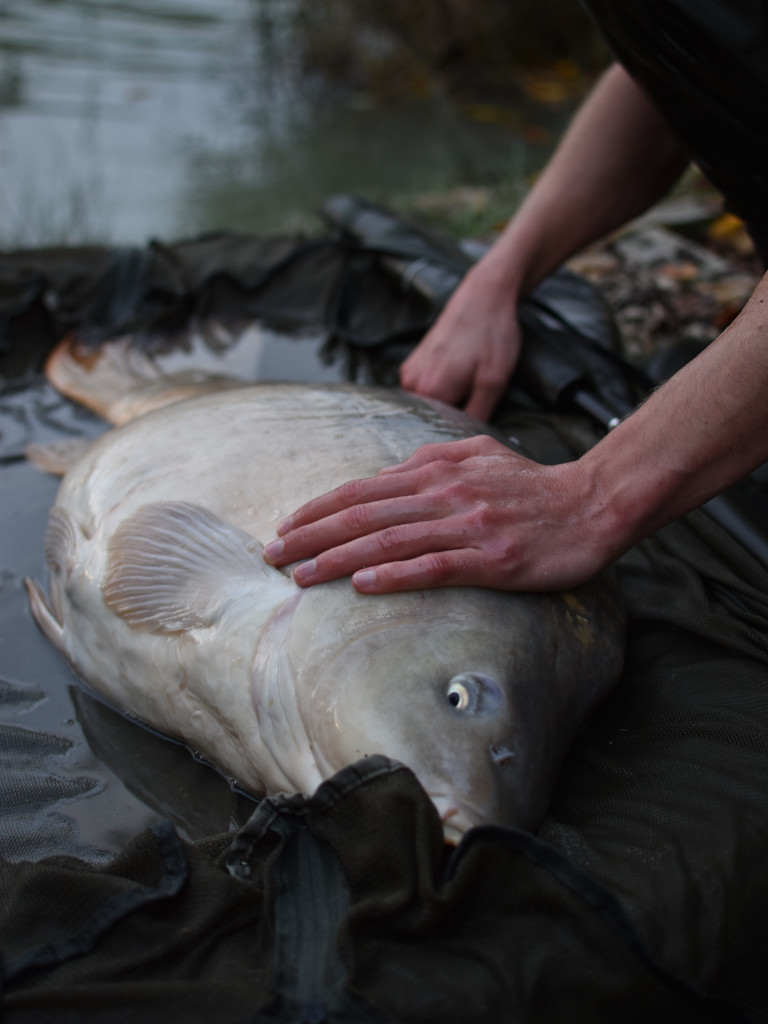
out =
column 705, row 63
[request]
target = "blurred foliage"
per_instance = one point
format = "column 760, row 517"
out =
column 466, row 211
column 399, row 49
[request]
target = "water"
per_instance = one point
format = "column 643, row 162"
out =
column 123, row 120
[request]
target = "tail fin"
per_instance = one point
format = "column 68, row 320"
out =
column 120, row 382
column 100, row 379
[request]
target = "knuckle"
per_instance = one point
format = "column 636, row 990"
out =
column 440, row 567
column 350, row 493
column 484, row 443
column 455, row 495
column 388, row 539
column 508, row 551
column 356, row 518
column 479, row 521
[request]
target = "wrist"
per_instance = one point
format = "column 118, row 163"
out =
column 618, row 498
column 503, row 277
column 606, row 531
column 632, row 486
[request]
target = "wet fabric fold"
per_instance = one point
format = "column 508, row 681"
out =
column 388, row 925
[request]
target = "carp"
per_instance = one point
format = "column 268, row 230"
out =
column 162, row 603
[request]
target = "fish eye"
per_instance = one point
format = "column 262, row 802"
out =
column 471, row 693
column 459, row 694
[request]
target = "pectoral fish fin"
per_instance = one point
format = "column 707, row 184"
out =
column 44, row 616
column 61, row 540
column 175, row 566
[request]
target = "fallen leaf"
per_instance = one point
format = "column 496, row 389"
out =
column 546, row 89
column 725, row 225
column 687, row 271
column 536, row 135
column 492, row 113
column 731, row 229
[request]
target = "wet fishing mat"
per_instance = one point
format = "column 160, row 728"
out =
column 135, row 884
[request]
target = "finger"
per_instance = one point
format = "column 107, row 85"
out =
column 441, row 451
column 461, row 567
column 419, row 367
column 429, row 373
column 410, row 373
column 393, row 544
column 484, row 399
column 350, row 524
column 349, row 494
column 443, row 388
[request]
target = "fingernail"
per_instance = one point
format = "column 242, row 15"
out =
column 305, row 571
column 285, row 526
column 364, row 578
column 273, row 550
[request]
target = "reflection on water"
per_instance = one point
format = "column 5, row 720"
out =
column 122, row 120
column 99, row 98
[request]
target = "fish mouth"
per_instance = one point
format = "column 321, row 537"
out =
column 455, row 818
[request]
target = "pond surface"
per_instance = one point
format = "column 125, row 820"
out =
column 123, row 120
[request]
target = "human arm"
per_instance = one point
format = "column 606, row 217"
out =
column 617, row 158
column 473, row 513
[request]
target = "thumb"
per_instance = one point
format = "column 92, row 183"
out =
column 484, row 398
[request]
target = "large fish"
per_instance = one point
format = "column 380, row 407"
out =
column 162, row 603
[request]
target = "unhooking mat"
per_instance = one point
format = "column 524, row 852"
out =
column 136, row 885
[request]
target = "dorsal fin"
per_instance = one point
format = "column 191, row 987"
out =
column 175, row 566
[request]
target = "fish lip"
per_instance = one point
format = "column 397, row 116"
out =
column 455, row 817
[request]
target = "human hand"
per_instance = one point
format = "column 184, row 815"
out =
column 460, row 513
column 467, row 358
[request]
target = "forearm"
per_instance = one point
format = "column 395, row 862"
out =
column 697, row 434
column 473, row 513
column 618, row 157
